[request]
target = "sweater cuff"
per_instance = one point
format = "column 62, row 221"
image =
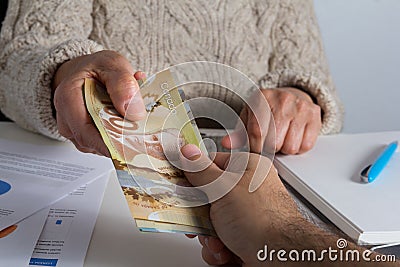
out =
column 326, row 97
column 46, row 123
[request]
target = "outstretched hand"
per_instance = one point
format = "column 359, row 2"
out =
column 243, row 221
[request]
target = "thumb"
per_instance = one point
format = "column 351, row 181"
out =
column 198, row 168
column 208, row 176
column 125, row 95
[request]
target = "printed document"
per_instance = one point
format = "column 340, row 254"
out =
column 34, row 176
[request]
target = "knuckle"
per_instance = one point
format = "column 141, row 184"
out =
column 278, row 121
column 118, row 60
column 286, row 98
column 303, row 106
column 109, row 54
column 268, row 93
column 109, row 60
column 316, row 111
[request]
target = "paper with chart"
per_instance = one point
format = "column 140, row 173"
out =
column 145, row 174
column 68, row 230
column 58, row 235
column 18, row 240
column 34, row 176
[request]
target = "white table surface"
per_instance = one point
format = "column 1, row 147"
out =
column 116, row 241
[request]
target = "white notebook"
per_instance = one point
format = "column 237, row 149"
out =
column 328, row 176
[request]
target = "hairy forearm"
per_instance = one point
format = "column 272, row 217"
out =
column 303, row 244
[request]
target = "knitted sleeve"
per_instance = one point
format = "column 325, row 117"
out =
column 36, row 38
column 298, row 60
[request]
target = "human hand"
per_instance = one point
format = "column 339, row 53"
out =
column 243, row 221
column 297, row 123
column 118, row 76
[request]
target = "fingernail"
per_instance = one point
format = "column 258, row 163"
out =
column 217, row 256
column 190, row 151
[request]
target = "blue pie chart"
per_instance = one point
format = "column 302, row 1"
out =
column 4, row 187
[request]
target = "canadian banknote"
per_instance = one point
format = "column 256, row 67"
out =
column 143, row 153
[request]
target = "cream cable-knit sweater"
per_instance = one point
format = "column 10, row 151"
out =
column 275, row 42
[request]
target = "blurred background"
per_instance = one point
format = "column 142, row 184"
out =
column 362, row 43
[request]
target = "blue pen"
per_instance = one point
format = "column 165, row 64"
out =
column 370, row 172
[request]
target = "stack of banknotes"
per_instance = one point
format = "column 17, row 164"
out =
column 153, row 186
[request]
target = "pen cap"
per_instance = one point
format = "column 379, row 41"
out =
column 382, row 161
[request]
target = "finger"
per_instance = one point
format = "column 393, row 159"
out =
column 199, row 169
column 76, row 118
column 221, row 159
column 202, row 240
column 258, row 121
column 214, row 244
column 116, row 73
column 310, row 135
column 139, row 75
column 294, row 137
column 283, row 110
column 234, row 140
column 208, row 177
column 269, row 147
column 305, row 113
column 221, row 258
column 309, row 139
column 89, row 137
column 281, row 127
column 62, row 126
column 238, row 138
column 125, row 95
column 257, row 128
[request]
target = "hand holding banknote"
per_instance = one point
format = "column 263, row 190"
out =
column 112, row 70
column 243, row 221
